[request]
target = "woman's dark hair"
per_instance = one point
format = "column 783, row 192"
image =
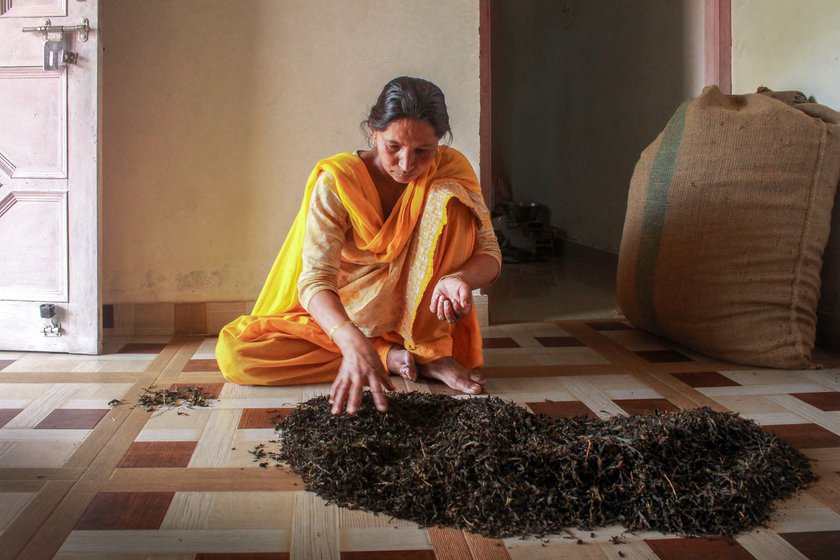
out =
column 409, row 98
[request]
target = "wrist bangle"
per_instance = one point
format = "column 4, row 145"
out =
column 338, row 326
column 458, row 276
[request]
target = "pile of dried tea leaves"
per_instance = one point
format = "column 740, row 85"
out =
column 490, row 467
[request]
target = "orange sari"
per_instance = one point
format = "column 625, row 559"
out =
column 432, row 230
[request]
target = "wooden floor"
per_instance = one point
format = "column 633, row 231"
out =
column 80, row 480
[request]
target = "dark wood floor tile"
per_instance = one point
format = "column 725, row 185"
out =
column 142, row 348
column 72, row 419
column 262, row 417
column 559, row 341
column 805, row 436
column 663, row 356
column 499, row 342
column 158, row 454
column 646, row 406
column 202, row 365
column 561, row 409
column 125, row 511
column 815, row 545
column 699, row 549
column 6, row 414
column 705, row 379
column 829, row 401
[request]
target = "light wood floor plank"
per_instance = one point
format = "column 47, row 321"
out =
column 635, row 550
column 107, row 428
column 102, row 543
column 215, row 443
column 42, row 406
column 196, row 479
column 314, row 529
column 805, row 410
column 768, row 545
column 188, row 510
column 11, row 476
column 52, row 533
column 165, row 356
column 21, row 530
column 104, row 463
column 188, row 347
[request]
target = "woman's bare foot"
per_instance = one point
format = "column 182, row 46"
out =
column 401, row 362
column 451, row 372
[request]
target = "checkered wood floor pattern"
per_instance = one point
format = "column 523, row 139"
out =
column 80, row 479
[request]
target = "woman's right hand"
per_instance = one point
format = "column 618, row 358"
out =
column 360, row 368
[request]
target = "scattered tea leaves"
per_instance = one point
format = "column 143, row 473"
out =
column 490, row 467
column 186, row 397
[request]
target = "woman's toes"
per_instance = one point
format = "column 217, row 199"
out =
column 473, row 388
column 466, row 386
column 410, row 367
column 408, row 372
column 401, row 362
column 478, row 378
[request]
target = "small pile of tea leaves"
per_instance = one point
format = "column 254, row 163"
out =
column 490, row 467
column 185, row 397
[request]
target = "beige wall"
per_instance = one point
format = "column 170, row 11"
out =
column 787, row 44
column 579, row 89
column 794, row 44
column 216, row 111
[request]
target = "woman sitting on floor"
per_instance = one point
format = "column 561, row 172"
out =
column 376, row 275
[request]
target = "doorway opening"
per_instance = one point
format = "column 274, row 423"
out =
column 573, row 91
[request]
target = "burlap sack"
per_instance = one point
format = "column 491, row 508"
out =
column 728, row 215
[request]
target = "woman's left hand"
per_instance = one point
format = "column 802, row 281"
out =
column 451, row 299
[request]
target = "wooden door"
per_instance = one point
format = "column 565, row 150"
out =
column 49, row 180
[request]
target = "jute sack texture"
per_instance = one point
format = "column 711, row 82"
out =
column 728, row 215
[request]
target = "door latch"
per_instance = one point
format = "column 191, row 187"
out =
column 58, row 40
column 46, row 27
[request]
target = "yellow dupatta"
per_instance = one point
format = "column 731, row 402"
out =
column 357, row 192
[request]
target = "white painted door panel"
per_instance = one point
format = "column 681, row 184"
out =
column 49, row 191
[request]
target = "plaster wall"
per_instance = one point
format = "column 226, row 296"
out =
column 214, row 113
column 794, row 45
column 580, row 88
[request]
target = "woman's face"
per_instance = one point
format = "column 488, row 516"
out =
column 405, row 149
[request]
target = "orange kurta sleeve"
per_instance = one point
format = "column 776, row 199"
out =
column 327, row 225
